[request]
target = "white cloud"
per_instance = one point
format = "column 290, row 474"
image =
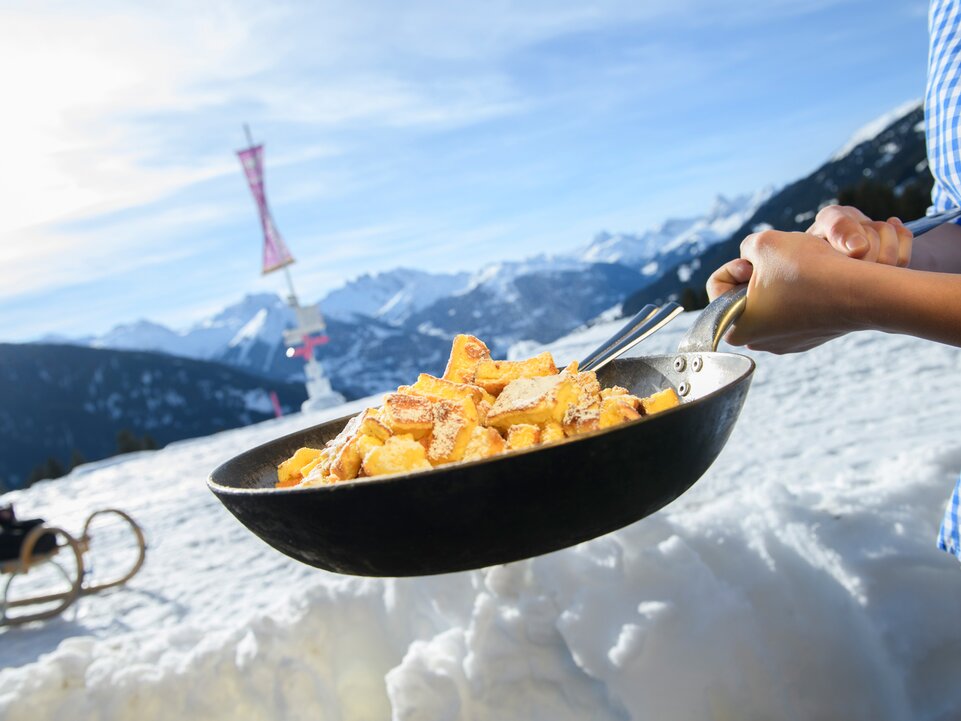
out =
column 113, row 106
column 44, row 259
column 75, row 80
column 105, row 102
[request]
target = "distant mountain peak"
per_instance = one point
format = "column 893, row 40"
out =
column 720, row 206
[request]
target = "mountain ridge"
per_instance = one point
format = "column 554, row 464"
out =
column 892, row 162
column 58, row 400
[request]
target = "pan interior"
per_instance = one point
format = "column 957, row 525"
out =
column 640, row 376
column 701, row 373
column 256, row 468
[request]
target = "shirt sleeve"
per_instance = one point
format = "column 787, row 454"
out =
column 949, row 538
column 942, row 104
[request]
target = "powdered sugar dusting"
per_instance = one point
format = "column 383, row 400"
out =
column 525, row 393
column 449, row 423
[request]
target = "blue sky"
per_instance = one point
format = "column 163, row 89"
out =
column 431, row 134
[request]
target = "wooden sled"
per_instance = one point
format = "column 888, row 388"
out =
column 75, row 548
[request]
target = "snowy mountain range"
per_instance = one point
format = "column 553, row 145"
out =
column 403, row 319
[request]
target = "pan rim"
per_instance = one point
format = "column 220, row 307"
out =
column 374, row 481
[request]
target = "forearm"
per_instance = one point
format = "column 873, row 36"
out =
column 902, row 300
column 938, row 250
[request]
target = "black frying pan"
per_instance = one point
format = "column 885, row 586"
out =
column 523, row 503
column 520, row 504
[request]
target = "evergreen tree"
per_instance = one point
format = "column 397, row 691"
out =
column 55, row 469
column 879, row 201
column 914, row 201
column 76, row 459
column 127, row 442
column 50, row 468
column 876, row 200
column 35, row 475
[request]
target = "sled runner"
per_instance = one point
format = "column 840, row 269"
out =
column 32, row 546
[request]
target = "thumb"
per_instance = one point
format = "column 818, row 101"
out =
column 741, row 270
column 728, row 276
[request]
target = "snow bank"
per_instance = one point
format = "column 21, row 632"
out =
column 871, row 130
column 798, row 579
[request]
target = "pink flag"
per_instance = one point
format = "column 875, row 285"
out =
column 276, row 255
column 275, row 402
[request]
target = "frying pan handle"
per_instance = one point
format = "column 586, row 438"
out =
column 930, row 222
column 713, row 322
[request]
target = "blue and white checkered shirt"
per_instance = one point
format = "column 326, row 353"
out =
column 942, row 115
column 948, row 539
column 942, row 100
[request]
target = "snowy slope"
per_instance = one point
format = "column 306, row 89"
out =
column 798, row 579
column 725, row 216
column 871, row 130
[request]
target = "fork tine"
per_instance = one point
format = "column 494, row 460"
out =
column 658, row 320
column 633, row 324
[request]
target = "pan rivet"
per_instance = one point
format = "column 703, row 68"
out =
column 679, row 364
column 697, row 364
column 683, row 388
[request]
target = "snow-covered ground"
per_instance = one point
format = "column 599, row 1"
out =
column 797, row 580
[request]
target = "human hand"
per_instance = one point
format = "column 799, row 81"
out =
column 796, row 296
column 851, row 232
column 845, row 229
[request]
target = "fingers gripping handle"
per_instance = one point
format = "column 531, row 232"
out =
column 714, row 321
column 724, row 310
column 721, row 314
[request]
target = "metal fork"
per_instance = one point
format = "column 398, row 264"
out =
column 650, row 319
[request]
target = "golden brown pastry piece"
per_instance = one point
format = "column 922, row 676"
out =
column 466, row 354
column 493, row 375
column 480, row 408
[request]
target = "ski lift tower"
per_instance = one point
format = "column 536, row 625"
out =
column 310, row 331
